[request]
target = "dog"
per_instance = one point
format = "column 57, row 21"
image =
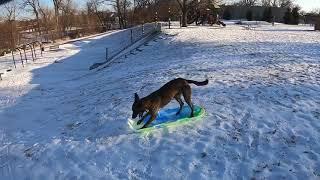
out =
column 151, row 104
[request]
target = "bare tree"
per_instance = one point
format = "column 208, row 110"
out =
column 149, row 10
column 188, row 7
column 57, row 6
column 248, row 2
column 34, row 7
column 93, row 8
column 282, row 3
column 266, row 3
column 285, row 3
column 46, row 15
column 274, row 3
column 183, row 4
column 10, row 13
column 142, row 3
column 67, row 14
column 121, row 7
column 315, row 11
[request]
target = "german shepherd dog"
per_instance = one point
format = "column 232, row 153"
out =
column 152, row 103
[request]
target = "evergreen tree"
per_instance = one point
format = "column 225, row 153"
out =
column 287, row 16
column 295, row 15
column 227, row 14
column 249, row 15
column 267, row 14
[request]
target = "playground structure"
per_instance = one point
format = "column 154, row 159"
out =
column 202, row 13
column 23, row 49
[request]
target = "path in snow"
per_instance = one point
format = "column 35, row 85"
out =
column 262, row 101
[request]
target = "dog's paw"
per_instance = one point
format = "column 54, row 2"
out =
column 139, row 122
column 143, row 127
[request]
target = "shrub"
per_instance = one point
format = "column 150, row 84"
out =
column 267, row 14
column 295, row 16
column 287, row 16
column 249, row 15
column 227, row 14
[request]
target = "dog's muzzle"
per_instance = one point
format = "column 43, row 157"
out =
column 140, row 115
column 134, row 116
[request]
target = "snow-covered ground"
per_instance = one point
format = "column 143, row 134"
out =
column 59, row 121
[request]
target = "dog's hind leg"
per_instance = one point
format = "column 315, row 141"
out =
column 187, row 97
column 178, row 98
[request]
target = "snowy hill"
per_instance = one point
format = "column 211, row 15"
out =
column 60, row 121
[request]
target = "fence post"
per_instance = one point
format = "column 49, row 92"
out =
column 14, row 62
column 41, row 48
column 21, row 57
column 142, row 29
column 25, row 55
column 31, row 49
column 34, row 50
column 106, row 54
column 131, row 37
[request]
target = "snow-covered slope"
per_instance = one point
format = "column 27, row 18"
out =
column 57, row 121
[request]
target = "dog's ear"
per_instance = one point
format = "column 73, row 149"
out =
column 136, row 97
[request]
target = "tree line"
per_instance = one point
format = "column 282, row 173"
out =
column 54, row 19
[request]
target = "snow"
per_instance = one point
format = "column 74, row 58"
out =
column 58, row 120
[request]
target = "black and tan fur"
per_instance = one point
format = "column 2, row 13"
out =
column 152, row 103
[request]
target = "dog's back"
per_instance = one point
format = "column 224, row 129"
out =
column 173, row 89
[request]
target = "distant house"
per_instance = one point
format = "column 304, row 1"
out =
column 240, row 12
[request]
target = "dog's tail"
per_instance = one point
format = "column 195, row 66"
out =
column 202, row 83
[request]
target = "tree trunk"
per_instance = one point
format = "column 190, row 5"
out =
column 56, row 13
column 184, row 18
column 38, row 22
column 184, row 10
column 13, row 34
column 317, row 25
column 125, row 13
column 119, row 14
column 37, row 7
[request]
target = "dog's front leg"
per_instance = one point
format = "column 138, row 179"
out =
column 153, row 117
column 140, row 121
